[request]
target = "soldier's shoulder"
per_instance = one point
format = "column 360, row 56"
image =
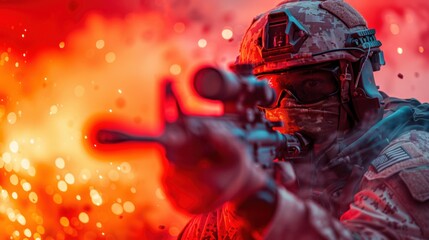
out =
column 409, row 151
column 404, row 164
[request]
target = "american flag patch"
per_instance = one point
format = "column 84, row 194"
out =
column 390, row 158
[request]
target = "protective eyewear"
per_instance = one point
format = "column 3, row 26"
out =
column 306, row 85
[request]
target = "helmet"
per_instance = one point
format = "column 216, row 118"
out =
column 300, row 33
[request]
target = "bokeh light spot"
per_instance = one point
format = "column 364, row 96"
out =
column 96, row 198
column 179, row 27
column 83, row 217
column 33, row 197
column 14, row 147
column 400, row 50
column 57, row 198
column 21, row 219
column 64, row 221
column 227, row 34
column 59, row 163
column 62, row 44
column 110, row 57
column 53, row 110
column 421, row 49
column 14, row 195
column 394, row 29
column 125, row 167
column 129, row 207
column 26, row 186
column 25, row 164
column 85, row 175
column 11, row 118
column 99, row 44
column 27, row 232
column 175, row 69
column 69, row 178
column 202, row 43
column 117, row 209
column 40, row 229
column 14, row 179
column 62, row 186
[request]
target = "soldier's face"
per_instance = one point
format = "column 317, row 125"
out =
column 307, row 101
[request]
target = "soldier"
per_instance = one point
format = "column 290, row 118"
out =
column 366, row 174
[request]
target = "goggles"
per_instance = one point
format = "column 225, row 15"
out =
column 306, row 85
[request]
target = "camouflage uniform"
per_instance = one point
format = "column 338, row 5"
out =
column 386, row 196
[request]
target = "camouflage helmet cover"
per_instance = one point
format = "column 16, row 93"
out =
column 297, row 33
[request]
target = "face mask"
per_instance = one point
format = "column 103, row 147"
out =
column 316, row 121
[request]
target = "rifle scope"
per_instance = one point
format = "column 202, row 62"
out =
column 236, row 85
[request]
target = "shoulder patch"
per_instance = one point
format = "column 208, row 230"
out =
column 390, row 158
column 417, row 181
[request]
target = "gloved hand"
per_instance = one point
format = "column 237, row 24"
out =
column 209, row 168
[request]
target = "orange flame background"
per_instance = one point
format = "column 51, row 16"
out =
column 66, row 64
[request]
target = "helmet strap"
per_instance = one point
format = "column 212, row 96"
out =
column 345, row 113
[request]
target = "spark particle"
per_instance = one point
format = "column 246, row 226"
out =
column 400, row 50
column 62, row 44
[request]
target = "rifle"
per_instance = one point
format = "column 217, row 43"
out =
column 242, row 96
